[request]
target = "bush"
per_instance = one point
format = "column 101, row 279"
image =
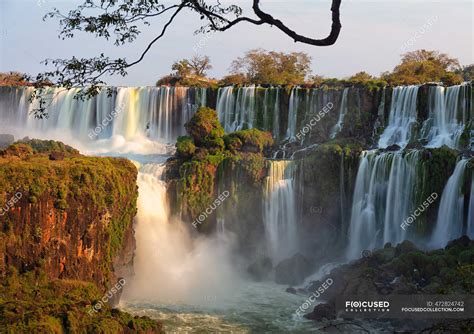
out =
column 238, row 79
column 251, row 140
column 185, row 147
column 205, row 129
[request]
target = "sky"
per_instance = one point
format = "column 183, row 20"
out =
column 374, row 35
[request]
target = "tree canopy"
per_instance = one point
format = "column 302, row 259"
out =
column 422, row 66
column 270, row 67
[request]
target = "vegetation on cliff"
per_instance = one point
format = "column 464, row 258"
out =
column 32, row 303
column 201, row 154
column 60, row 238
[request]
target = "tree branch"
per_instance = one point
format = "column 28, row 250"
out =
column 330, row 40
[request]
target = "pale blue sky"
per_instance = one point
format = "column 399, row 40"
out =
column 373, row 36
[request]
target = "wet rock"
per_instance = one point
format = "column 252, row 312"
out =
column 463, row 241
column 260, row 269
column 291, row 290
column 415, row 145
column 393, row 147
column 321, row 311
column 294, row 270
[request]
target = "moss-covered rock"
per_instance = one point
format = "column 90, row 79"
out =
column 79, row 211
column 185, row 147
column 32, row 303
column 251, row 140
column 205, row 129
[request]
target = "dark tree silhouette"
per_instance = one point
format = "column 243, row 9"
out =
column 120, row 21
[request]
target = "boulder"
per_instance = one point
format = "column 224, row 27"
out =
column 291, row 290
column 321, row 311
column 260, row 269
column 294, row 270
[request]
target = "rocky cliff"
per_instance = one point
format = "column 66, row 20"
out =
column 66, row 225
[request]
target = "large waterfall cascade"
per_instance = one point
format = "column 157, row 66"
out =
column 450, row 221
column 236, row 107
column 247, row 107
column 448, row 114
column 279, row 211
column 157, row 113
column 402, row 118
column 383, row 198
column 384, row 191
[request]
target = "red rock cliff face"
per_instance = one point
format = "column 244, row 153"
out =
column 70, row 219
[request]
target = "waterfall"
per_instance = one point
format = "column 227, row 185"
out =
column 271, row 111
column 402, row 118
column 342, row 113
column 447, row 116
column 449, row 225
column 225, row 107
column 293, row 113
column 383, row 198
column 171, row 265
column 157, row 113
column 236, row 107
column 280, row 211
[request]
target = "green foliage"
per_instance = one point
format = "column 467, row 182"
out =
column 77, row 183
column 205, row 129
column 423, row 66
column 467, row 72
column 251, row 140
column 270, row 67
column 237, row 79
column 197, row 66
column 185, row 147
column 208, row 148
column 31, row 303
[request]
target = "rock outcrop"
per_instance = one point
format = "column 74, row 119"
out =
column 66, row 228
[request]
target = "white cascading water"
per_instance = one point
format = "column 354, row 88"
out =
column 171, row 265
column 236, row 107
column 449, row 224
column 131, row 116
column 447, row 116
column 383, row 198
column 280, row 211
column 295, row 101
column 402, row 118
column 342, row 114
